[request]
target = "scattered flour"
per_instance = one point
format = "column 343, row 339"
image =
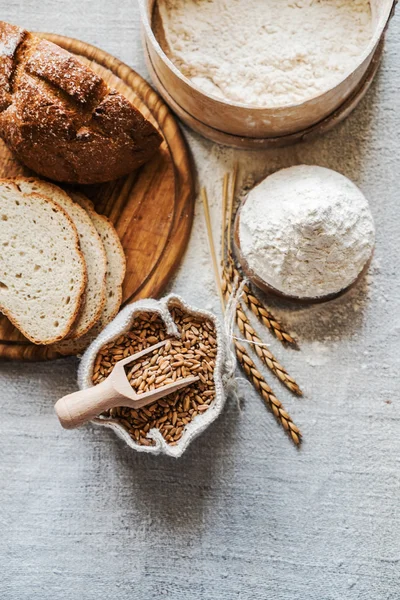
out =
column 307, row 231
column 264, row 52
column 316, row 353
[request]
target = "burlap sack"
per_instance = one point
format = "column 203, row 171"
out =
column 222, row 373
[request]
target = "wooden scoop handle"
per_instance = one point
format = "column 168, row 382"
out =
column 76, row 409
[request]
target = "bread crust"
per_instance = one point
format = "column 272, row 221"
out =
column 50, row 190
column 67, row 347
column 71, row 321
column 61, row 119
column 89, row 207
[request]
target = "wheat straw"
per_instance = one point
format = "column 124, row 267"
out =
column 212, row 247
column 231, row 206
column 224, row 208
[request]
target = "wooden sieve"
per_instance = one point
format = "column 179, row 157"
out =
column 247, row 126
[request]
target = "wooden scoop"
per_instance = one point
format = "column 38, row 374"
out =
column 76, row 409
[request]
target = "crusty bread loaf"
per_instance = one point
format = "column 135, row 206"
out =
column 42, row 270
column 61, row 119
column 116, row 265
column 92, row 249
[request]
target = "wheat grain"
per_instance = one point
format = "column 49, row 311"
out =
column 195, row 355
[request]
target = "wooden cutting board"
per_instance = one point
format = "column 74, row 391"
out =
column 152, row 209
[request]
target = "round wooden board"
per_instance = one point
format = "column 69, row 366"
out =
column 152, row 208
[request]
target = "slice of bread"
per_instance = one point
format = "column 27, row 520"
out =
column 42, row 270
column 116, row 261
column 92, row 250
column 116, row 266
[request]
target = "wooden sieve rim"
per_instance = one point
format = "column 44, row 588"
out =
column 147, row 24
column 238, row 141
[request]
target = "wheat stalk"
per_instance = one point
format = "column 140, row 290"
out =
column 212, row 246
column 253, row 338
column 266, row 393
column 263, row 353
column 256, row 307
column 225, row 188
column 243, row 357
column 230, row 208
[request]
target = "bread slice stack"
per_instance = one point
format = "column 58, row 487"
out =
column 61, row 264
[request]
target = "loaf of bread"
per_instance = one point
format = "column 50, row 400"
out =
column 42, row 270
column 61, row 119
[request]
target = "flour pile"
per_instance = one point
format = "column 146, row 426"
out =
column 306, row 231
column 264, row 52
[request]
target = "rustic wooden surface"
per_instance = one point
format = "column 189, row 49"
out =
column 152, row 209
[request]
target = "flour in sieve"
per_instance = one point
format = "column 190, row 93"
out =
column 265, row 52
column 306, row 231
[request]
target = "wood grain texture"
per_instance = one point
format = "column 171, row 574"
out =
column 152, row 208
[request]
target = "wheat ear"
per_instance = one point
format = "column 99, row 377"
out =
column 264, row 354
column 259, row 348
column 256, row 307
column 243, row 357
column 266, row 393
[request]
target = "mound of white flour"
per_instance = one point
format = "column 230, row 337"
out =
column 306, row 231
column 265, row 52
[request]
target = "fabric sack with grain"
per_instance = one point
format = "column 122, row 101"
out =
column 222, row 373
column 61, row 119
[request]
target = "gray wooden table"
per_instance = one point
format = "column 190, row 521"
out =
column 243, row 514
